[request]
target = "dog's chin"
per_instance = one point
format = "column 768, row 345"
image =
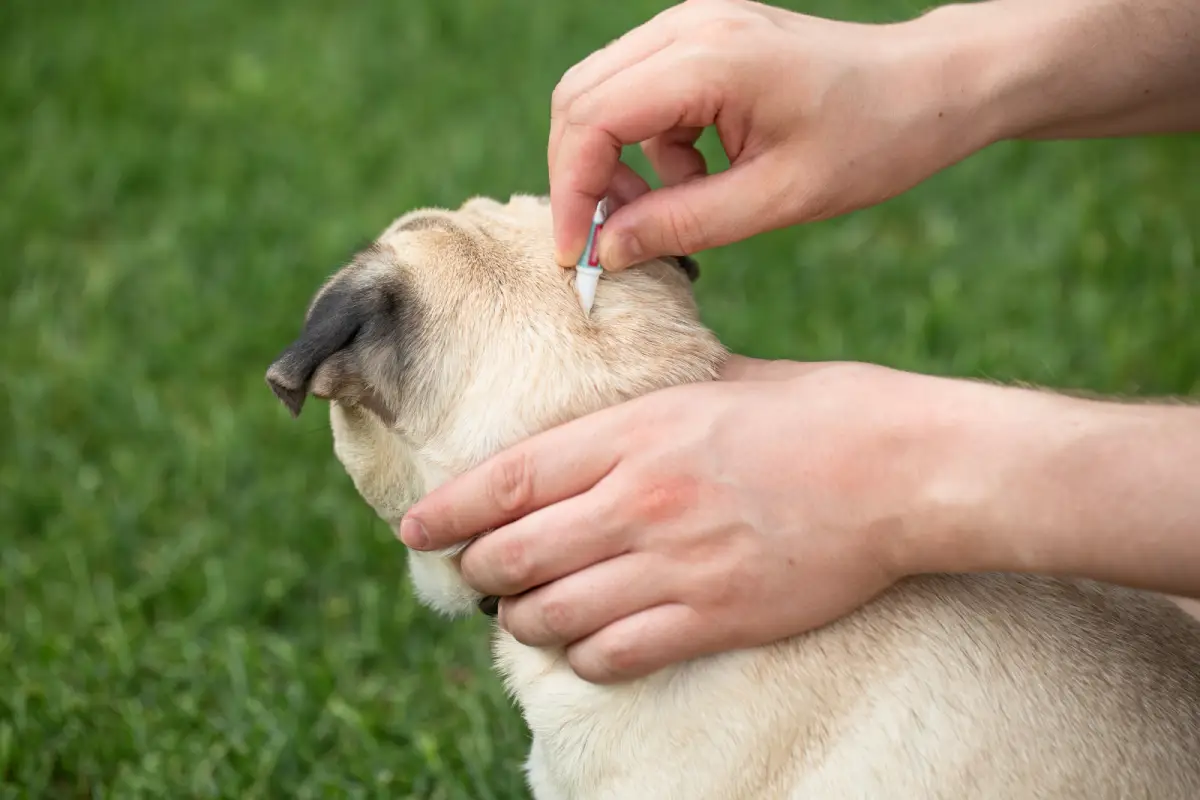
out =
column 438, row 584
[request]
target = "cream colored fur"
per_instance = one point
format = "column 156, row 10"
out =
column 456, row 335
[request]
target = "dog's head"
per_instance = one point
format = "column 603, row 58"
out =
column 455, row 334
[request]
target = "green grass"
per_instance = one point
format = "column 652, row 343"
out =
column 195, row 601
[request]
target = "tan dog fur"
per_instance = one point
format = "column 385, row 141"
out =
column 455, row 335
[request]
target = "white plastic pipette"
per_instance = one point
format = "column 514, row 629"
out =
column 588, row 269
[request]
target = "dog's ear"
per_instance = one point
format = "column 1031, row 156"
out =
column 355, row 311
column 335, row 320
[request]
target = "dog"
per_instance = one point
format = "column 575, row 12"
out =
column 455, row 334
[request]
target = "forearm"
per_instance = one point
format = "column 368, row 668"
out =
column 1033, row 482
column 1042, row 69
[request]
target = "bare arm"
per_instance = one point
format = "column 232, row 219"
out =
column 1055, row 69
column 1026, row 480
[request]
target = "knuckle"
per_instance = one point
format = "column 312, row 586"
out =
column 585, row 108
column 724, row 28
column 607, row 515
column 557, row 618
column 521, row 634
column 562, row 95
column 682, row 11
column 511, row 483
column 664, row 498
column 569, row 101
column 618, row 655
column 702, row 5
column 684, row 229
column 517, row 624
column 512, row 562
column 586, row 667
column 737, row 575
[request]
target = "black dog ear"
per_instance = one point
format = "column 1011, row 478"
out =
column 336, row 319
column 690, row 267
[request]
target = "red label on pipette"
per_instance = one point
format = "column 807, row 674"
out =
column 594, row 252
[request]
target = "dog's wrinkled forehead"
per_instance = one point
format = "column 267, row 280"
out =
column 424, row 271
column 522, row 217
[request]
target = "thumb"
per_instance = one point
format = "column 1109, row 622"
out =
column 708, row 211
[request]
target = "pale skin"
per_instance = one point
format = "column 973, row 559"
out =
column 711, row 517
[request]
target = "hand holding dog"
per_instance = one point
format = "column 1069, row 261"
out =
column 663, row 528
column 704, row 517
column 710, row 517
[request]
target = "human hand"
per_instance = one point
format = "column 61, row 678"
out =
column 817, row 117
column 697, row 519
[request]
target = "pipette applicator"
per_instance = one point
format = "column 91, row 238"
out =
column 588, row 269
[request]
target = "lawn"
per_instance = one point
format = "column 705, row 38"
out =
column 196, row 604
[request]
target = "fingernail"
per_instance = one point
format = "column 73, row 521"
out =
column 413, row 534
column 563, row 257
column 490, row 605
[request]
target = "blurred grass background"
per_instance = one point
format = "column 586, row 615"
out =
column 195, row 601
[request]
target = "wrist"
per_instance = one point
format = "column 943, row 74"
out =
column 959, row 68
column 990, row 493
column 1021, row 480
column 998, row 61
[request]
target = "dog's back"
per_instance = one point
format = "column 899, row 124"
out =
column 1012, row 686
column 976, row 686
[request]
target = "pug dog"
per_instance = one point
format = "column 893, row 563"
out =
column 455, row 334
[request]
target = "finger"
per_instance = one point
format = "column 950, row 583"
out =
column 583, row 602
column 546, row 468
column 637, row 645
column 674, row 156
column 530, row 551
column 636, row 45
column 697, row 215
column 600, row 123
column 626, row 187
